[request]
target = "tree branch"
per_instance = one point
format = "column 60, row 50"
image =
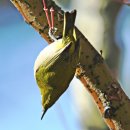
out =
column 92, row 71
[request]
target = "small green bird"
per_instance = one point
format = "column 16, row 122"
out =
column 56, row 64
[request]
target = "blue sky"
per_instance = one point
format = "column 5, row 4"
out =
column 122, row 35
column 20, row 98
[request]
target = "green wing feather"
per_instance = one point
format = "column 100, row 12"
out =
column 58, row 54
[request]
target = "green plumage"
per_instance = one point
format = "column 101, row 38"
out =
column 56, row 64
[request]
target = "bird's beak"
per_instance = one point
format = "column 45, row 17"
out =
column 43, row 113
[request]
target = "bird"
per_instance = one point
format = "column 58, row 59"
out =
column 55, row 66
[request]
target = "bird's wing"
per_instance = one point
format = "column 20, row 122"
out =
column 58, row 55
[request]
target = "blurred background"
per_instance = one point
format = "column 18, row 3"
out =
column 107, row 26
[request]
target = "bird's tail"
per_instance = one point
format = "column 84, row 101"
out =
column 69, row 21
